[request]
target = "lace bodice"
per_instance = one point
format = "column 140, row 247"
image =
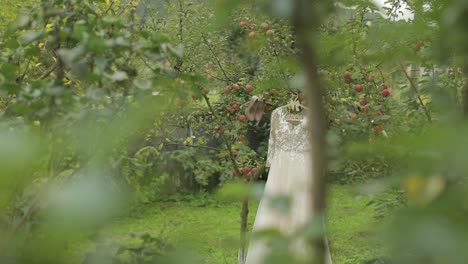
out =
column 286, row 135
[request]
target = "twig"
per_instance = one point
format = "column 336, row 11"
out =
column 283, row 74
column 216, row 57
column 25, row 70
column 50, row 71
column 146, row 63
column 415, row 90
column 110, row 6
column 193, row 146
column 211, row 75
column 223, row 137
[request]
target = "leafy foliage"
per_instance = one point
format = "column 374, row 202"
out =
column 104, row 98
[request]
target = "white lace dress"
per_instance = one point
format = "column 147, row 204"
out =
column 289, row 162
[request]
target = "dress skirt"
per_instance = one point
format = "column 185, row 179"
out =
column 288, row 180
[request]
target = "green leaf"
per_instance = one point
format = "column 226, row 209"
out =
column 69, row 56
column 30, row 36
column 178, row 50
column 10, row 71
column 12, row 44
column 32, row 51
column 80, row 68
column 101, row 63
column 142, row 84
column 118, row 76
column 96, row 44
column 20, row 22
column 79, row 31
column 111, row 19
column 382, row 117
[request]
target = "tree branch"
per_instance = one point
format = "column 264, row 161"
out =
column 193, row 146
column 216, row 57
column 416, row 92
column 302, row 20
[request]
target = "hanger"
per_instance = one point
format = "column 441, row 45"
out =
column 294, row 104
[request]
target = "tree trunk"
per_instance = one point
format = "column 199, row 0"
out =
column 302, row 23
column 465, row 93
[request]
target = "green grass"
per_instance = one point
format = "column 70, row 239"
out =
column 351, row 227
column 211, row 228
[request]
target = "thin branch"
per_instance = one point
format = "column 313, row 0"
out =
column 416, row 92
column 110, row 6
column 49, row 72
column 216, row 57
column 283, row 74
column 193, row 146
column 223, row 137
column 211, row 75
column 25, row 70
column 179, row 60
column 146, row 63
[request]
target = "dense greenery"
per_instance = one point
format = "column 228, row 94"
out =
column 194, row 223
column 111, row 107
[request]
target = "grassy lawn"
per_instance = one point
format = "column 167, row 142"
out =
column 211, row 228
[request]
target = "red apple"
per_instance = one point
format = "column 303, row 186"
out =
column 365, row 109
column 358, row 88
column 235, row 106
column 181, row 102
column 241, row 118
column 254, row 170
column 227, row 90
column 377, row 114
column 252, row 34
column 362, row 101
column 245, row 170
column 348, row 75
column 235, row 86
column 264, row 26
column 269, row 32
column 229, row 109
column 234, row 152
column 378, row 128
column 243, row 24
column 248, row 88
column 385, row 93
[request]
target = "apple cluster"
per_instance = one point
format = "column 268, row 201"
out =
column 246, row 171
column 235, row 88
column 371, row 97
column 252, row 28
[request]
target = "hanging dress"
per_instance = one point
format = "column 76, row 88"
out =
column 289, row 177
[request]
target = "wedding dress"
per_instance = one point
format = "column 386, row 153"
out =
column 289, row 176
